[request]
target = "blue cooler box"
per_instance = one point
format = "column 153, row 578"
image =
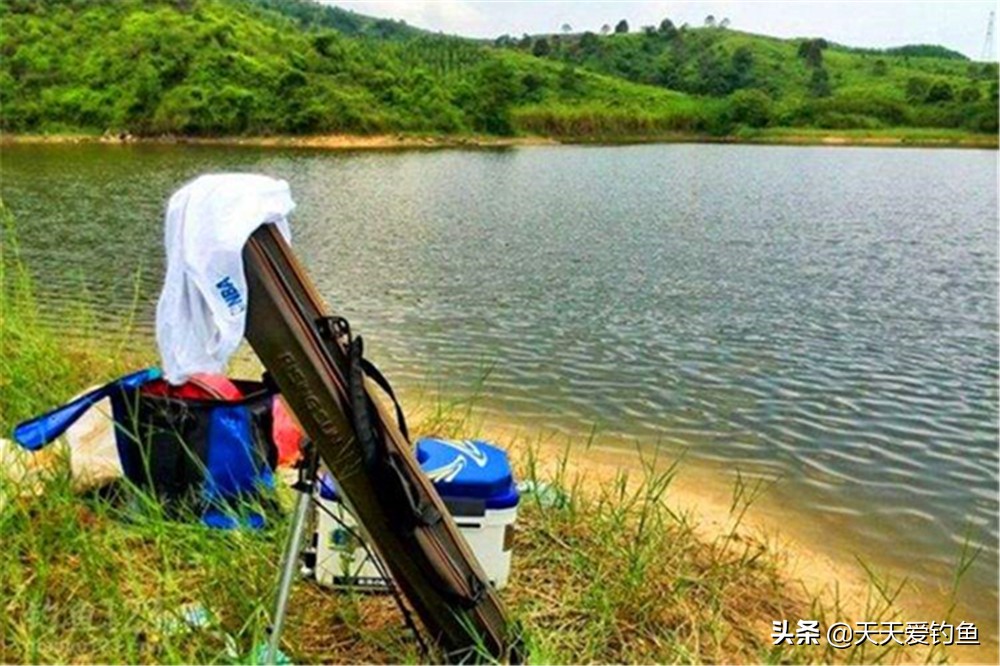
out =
column 475, row 481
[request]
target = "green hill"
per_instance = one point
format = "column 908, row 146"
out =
column 266, row 67
column 211, row 67
column 315, row 15
column 805, row 82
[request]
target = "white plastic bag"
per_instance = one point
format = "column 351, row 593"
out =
column 201, row 314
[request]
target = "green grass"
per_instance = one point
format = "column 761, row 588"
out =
column 904, row 136
column 605, row 577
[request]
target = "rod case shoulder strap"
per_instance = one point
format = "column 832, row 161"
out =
column 383, row 463
column 334, row 328
column 324, row 378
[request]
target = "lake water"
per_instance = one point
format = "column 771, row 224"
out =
column 826, row 315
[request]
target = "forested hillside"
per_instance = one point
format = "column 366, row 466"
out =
column 264, row 67
column 202, row 67
column 806, row 82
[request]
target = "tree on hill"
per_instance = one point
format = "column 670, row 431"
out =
column 742, row 63
column 541, row 47
column 819, row 83
column 605, row 29
column 709, row 21
column 497, row 89
column 385, row 28
column 714, row 77
column 917, row 88
column 589, row 43
column 811, row 50
column 970, row 94
column 724, row 23
column 940, row 91
column 567, row 28
column 622, row 27
column 668, row 29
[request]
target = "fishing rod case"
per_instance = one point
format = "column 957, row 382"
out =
column 320, row 369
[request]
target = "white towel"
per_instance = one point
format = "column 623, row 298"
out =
column 201, row 315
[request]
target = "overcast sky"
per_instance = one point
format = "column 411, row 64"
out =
column 877, row 23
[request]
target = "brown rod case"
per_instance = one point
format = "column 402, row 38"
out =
column 319, row 368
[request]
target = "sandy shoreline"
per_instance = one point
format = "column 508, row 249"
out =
column 428, row 142
column 317, row 141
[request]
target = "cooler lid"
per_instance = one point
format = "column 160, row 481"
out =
column 468, row 469
column 460, row 470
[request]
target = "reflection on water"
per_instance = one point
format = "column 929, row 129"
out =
column 827, row 315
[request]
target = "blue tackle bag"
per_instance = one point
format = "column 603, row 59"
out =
column 211, row 456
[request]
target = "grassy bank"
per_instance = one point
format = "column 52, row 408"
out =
column 606, row 569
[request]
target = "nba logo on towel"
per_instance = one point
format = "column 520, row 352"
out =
column 231, row 295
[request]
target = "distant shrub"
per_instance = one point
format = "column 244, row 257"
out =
column 749, row 107
column 939, row 91
column 939, row 115
column 180, row 110
column 984, row 120
column 589, row 42
column 970, row 94
column 533, row 85
column 886, row 111
column 597, row 120
column 570, row 81
column 917, row 88
column 836, row 120
column 837, row 112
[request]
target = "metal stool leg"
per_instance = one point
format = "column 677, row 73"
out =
column 290, row 559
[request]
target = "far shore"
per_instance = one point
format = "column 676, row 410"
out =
column 896, row 137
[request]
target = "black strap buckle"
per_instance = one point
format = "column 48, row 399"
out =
column 334, row 328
